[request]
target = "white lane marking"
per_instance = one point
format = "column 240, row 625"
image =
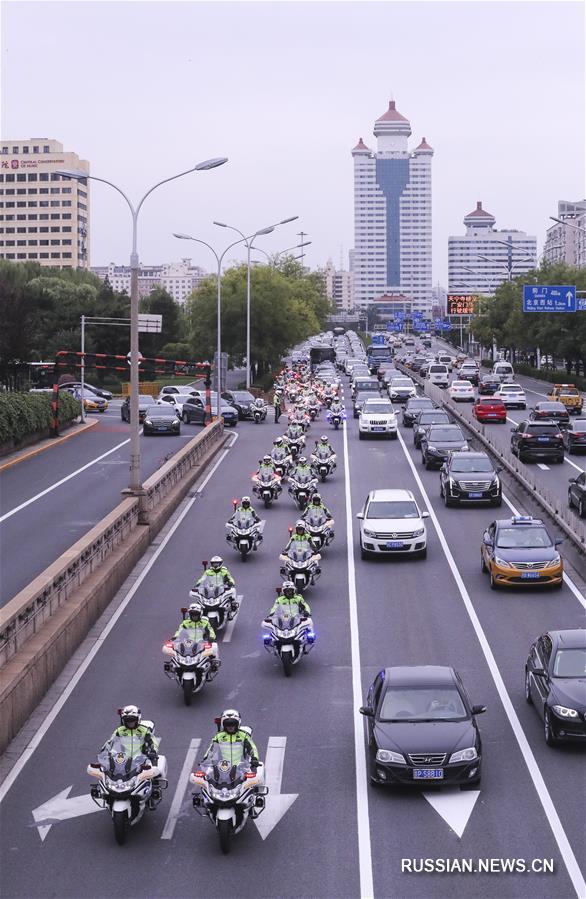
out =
column 364, row 847
column 543, row 466
column 68, row 477
column 455, row 806
column 182, row 784
column 50, row 717
column 231, row 624
column 567, row 579
column 220, row 459
column 277, row 803
column 543, row 794
column 61, row 808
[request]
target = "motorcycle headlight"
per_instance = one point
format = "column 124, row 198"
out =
column 464, row 755
column 386, row 755
column 121, row 786
column 564, row 712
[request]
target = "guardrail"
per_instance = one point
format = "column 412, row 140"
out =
column 552, row 504
column 24, row 615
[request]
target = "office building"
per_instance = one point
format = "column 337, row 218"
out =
column 482, row 258
column 339, row 287
column 392, row 215
column 43, row 218
column 567, row 243
column 179, row 279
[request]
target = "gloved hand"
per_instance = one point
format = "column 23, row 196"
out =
column 254, row 763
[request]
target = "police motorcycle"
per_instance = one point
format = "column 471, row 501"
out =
column 298, row 416
column 319, row 527
column 230, row 790
column 281, row 458
column 295, row 439
column 336, row 416
column 300, row 564
column 217, row 599
column 302, row 486
column 259, row 410
column 288, row 634
column 323, row 460
column 127, row 785
column 266, row 484
column 243, row 532
column 313, row 407
column 193, row 659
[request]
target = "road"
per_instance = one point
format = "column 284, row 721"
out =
column 337, row 839
column 49, row 501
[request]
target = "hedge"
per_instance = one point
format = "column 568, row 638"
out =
column 559, row 376
column 22, row 414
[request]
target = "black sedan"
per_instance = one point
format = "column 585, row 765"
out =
column 426, row 417
column 439, row 440
column 242, row 401
column 575, row 435
column 422, row 728
column 550, row 410
column 161, row 419
column 577, row 494
column 555, row 683
column 537, row 439
column 414, row 405
column 88, row 389
column 193, row 410
column 143, row 404
column 470, row 478
column 488, row 384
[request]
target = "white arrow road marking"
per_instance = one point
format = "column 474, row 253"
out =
column 543, row 466
column 60, row 808
column 230, row 626
column 277, row 803
column 180, row 789
column 454, row 806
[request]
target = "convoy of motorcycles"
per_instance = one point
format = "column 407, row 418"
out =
column 230, row 790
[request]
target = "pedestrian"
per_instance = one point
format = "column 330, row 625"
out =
column 277, row 404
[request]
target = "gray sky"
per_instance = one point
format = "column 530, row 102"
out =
column 144, row 89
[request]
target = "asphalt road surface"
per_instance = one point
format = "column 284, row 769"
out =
column 339, row 837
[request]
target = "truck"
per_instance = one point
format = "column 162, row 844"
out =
column 569, row 395
column 377, row 353
column 318, row 354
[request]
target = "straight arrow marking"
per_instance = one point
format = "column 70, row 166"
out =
column 180, row 789
column 454, row 806
column 61, row 808
column 277, row 803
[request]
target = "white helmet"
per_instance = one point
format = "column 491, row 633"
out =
column 216, row 562
column 130, row 716
column 230, row 720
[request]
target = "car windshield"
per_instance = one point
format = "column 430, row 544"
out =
column 569, row 391
column 184, row 397
column 419, row 403
column 570, row 663
column 511, row 388
column 469, row 465
column 441, row 368
column 162, row 409
column 551, row 407
column 242, row 396
column 367, row 385
column 373, row 406
column 461, row 384
column 516, row 537
column 402, row 382
column 447, row 434
column 145, row 399
column 490, row 401
column 422, row 704
column 433, row 418
column 392, row 509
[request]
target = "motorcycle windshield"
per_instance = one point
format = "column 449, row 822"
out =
column 300, row 551
column 322, row 453
column 314, row 519
column 212, row 586
column 228, row 764
column 286, row 616
column 303, row 477
column 266, row 475
column 243, row 521
column 188, row 641
column 123, row 757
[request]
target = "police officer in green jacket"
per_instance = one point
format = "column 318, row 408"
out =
column 217, row 566
column 137, row 738
column 235, row 744
column 196, row 620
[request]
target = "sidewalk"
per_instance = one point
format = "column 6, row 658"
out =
column 40, row 447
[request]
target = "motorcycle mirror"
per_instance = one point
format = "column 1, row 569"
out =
column 205, row 563
column 217, row 721
column 290, row 530
column 183, row 610
column 278, row 590
column 118, row 711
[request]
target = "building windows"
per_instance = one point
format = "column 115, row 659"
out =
column 46, row 148
column 55, row 243
column 15, row 150
column 21, row 177
column 44, row 176
column 35, row 149
column 43, row 255
column 32, row 177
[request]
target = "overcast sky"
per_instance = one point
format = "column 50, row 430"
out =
column 144, row 89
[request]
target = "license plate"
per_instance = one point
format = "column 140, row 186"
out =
column 394, row 544
column 377, row 428
column 163, row 428
column 529, row 575
column 428, row 773
column 543, row 439
column 491, row 414
column 475, row 495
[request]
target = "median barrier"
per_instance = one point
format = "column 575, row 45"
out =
column 41, row 626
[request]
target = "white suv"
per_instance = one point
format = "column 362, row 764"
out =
column 438, row 374
column 377, row 417
column 512, row 395
column 392, row 523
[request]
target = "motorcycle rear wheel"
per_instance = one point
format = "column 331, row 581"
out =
column 187, row 686
column 225, row 834
column 119, row 820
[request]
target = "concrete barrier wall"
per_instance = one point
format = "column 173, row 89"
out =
column 44, row 624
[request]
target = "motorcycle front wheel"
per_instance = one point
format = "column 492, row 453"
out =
column 119, row 820
column 225, row 834
column 187, row 686
column 286, row 659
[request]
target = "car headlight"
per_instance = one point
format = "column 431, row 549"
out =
column 464, row 755
column 497, row 482
column 147, row 421
column 554, row 562
column 386, row 755
column 419, row 532
column 502, row 562
column 368, row 533
column 432, row 449
column 564, row 712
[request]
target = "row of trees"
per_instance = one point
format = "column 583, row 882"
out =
column 561, row 335
column 41, row 308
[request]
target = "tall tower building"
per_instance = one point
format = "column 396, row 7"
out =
column 43, row 218
column 392, row 215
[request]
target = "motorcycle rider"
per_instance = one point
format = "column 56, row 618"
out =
column 232, row 740
column 266, row 467
column 302, row 469
column 244, row 510
column 336, row 408
column 322, row 445
column 316, row 505
column 196, row 620
column 288, row 596
column 138, row 738
column 217, row 566
column 299, row 535
column 258, row 403
column 280, row 451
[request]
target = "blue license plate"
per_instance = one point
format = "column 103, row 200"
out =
column 543, row 439
column 163, row 428
column 475, row 495
column 428, row 773
column 529, row 575
column 395, row 544
column 376, row 428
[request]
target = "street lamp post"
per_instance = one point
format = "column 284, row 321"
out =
column 135, row 485
column 248, row 242
column 281, row 252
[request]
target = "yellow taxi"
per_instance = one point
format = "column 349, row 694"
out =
column 520, row 552
column 569, row 395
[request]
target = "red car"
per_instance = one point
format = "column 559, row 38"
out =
column 489, row 408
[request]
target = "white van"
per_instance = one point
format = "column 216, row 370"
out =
column 445, row 359
column 503, row 371
column 438, row 374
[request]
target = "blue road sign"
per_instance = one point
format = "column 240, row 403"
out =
column 549, row 298
column 581, row 304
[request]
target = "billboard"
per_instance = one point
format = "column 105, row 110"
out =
column 461, row 304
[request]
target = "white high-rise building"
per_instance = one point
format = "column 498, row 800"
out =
column 179, row 279
column 567, row 243
column 339, row 287
column 480, row 260
column 392, row 215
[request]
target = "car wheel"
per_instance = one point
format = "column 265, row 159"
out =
column 547, row 729
column 428, row 464
column 178, row 432
column 184, row 418
column 528, row 688
column 360, row 435
column 423, row 553
column 560, row 459
column 122, row 415
column 483, row 567
column 364, row 554
column 497, row 502
column 493, row 583
column 447, row 501
column 581, row 508
column 521, row 456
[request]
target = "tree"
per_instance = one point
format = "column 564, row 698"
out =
column 159, row 302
